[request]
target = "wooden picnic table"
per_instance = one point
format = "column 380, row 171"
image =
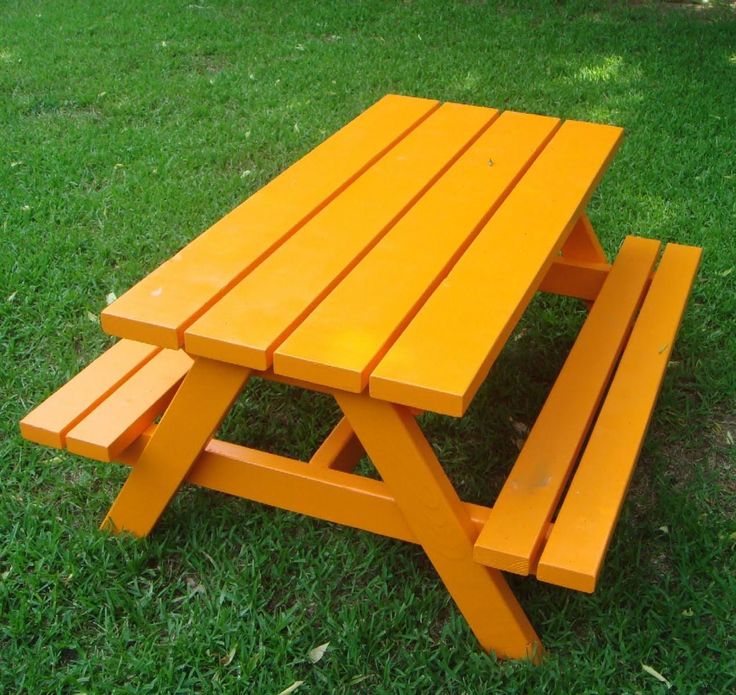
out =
column 388, row 268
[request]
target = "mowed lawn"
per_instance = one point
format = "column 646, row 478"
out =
column 127, row 128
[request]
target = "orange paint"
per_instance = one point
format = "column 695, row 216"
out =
column 125, row 414
column 248, row 323
column 339, row 346
column 161, row 305
column 512, row 541
column 49, row 422
column 574, row 554
column 198, row 407
column 445, row 353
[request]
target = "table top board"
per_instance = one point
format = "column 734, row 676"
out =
column 397, row 256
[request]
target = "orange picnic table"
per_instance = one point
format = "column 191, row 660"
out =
column 388, row 268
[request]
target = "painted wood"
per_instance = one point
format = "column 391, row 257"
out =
column 162, row 304
column 268, row 375
column 583, row 244
column 415, row 237
column 512, row 539
column 315, row 491
column 200, row 404
column 439, row 520
column 340, row 451
column 445, row 353
column 579, row 279
column 337, row 345
column 246, row 325
column 574, row 554
column 49, row 423
column 127, row 412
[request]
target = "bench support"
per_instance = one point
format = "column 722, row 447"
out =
column 316, row 491
column 416, row 502
column 341, row 451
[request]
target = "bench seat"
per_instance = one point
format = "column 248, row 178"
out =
column 110, row 403
column 104, row 412
column 610, row 381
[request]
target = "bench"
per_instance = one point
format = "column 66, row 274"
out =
column 570, row 552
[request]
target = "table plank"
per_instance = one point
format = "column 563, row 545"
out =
column 445, row 353
column 162, row 304
column 248, row 323
column 337, row 345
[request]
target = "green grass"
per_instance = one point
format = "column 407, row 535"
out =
column 127, row 128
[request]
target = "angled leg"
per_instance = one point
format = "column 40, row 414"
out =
column 186, row 427
column 393, row 440
column 582, row 244
column 341, row 451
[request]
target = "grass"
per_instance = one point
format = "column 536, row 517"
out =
column 128, row 128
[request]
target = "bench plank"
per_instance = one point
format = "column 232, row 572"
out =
column 162, row 304
column 125, row 414
column 574, row 553
column 513, row 536
column 338, row 346
column 475, row 308
column 246, row 325
column 49, row 423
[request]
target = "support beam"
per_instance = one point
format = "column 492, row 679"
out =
column 341, row 451
column 268, row 375
column 580, row 279
column 331, row 495
column 582, row 244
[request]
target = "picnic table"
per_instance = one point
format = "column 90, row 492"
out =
column 388, row 268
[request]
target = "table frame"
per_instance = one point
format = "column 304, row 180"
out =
column 415, row 502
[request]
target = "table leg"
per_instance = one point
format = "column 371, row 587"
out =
column 400, row 452
column 200, row 404
column 582, row 243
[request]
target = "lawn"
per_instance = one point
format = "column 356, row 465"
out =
column 127, row 128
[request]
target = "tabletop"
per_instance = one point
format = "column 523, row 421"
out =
column 397, row 256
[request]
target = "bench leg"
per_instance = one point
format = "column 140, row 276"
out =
column 395, row 443
column 582, row 243
column 186, row 427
